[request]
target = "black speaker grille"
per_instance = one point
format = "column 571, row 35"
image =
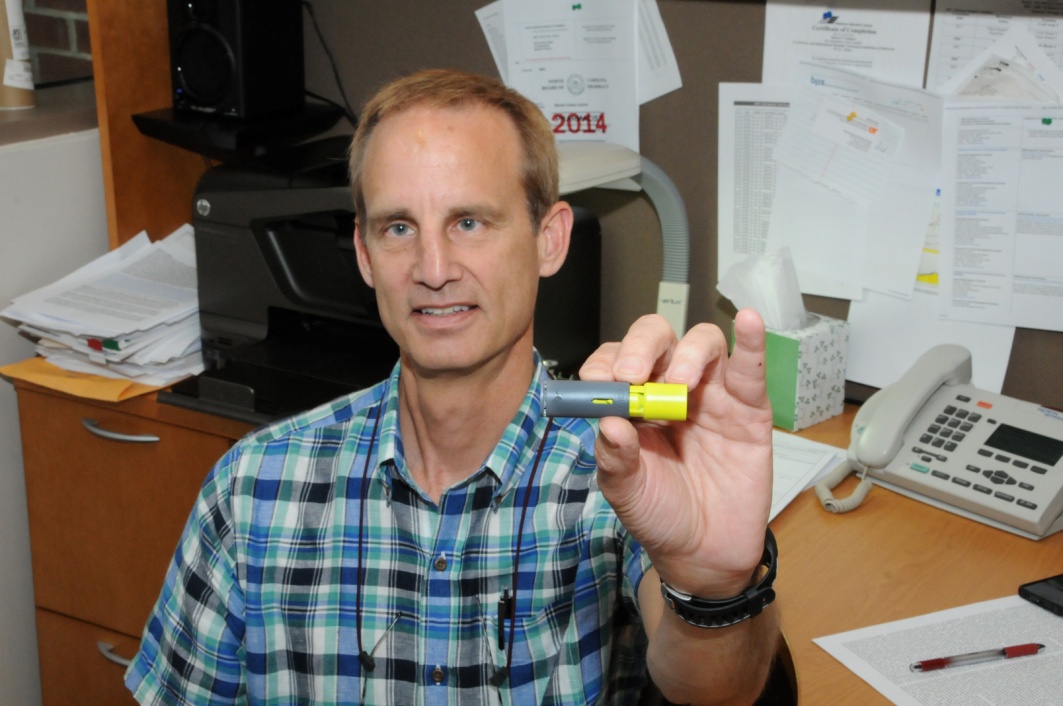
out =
column 205, row 65
column 236, row 58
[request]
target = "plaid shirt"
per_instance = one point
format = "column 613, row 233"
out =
column 261, row 602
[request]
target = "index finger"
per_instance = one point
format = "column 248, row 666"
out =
column 645, row 350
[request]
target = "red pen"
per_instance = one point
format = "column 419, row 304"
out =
column 926, row 665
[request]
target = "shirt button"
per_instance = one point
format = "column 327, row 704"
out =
column 438, row 675
column 440, row 563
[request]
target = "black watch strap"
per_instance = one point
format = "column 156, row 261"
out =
column 705, row 613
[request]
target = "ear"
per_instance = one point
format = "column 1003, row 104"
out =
column 362, row 253
column 554, row 235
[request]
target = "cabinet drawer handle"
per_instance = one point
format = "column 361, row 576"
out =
column 107, row 650
column 93, row 426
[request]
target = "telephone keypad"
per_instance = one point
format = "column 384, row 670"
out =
column 946, row 432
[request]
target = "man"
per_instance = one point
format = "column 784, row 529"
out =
column 436, row 539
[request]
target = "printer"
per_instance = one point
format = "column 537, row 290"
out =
column 287, row 321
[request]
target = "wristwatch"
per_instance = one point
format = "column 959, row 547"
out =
column 706, row 613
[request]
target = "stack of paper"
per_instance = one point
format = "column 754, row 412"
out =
column 132, row 313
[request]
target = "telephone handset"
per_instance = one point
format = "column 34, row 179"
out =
column 935, row 437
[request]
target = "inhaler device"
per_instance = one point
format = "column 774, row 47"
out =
column 583, row 398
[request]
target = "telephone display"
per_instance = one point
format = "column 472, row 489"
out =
column 935, row 437
column 1020, row 441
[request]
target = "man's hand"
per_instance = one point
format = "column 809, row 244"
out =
column 695, row 494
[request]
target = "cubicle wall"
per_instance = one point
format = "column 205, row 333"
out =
column 714, row 41
column 54, row 221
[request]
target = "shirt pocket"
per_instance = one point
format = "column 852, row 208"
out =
column 537, row 641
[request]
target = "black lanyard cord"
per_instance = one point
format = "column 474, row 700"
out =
column 366, row 660
column 499, row 677
column 363, row 656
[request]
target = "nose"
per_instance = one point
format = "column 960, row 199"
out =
column 436, row 264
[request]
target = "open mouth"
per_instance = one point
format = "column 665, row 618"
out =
column 444, row 311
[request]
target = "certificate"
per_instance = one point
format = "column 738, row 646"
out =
column 578, row 62
column 865, row 36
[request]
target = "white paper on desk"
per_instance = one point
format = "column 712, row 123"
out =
column 155, row 375
column 658, row 71
column 864, row 227
column 887, row 334
column 867, row 36
column 158, row 344
column 798, row 465
column 882, row 654
column 576, row 61
column 964, row 28
column 1001, row 215
column 155, row 284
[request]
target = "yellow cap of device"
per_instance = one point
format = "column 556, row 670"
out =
column 658, row 400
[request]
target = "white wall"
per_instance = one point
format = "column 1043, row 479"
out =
column 52, row 220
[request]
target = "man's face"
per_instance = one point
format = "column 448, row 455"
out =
column 446, row 240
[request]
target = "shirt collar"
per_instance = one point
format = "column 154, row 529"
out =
column 514, row 453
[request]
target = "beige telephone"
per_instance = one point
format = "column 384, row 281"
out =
column 935, row 437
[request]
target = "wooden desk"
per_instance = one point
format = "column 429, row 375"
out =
column 891, row 558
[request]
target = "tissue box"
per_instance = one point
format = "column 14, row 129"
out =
column 806, row 372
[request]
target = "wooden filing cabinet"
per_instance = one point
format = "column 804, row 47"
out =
column 109, row 488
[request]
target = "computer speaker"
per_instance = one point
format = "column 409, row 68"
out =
column 236, row 58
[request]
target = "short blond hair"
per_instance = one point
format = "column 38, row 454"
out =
column 450, row 88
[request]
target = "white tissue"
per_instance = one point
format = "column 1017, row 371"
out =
column 767, row 284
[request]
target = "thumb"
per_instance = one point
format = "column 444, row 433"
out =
column 617, row 454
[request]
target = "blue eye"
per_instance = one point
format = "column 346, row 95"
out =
column 468, row 224
column 398, row 229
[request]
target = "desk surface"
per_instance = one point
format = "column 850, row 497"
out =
column 891, row 558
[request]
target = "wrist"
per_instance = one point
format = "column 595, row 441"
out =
column 715, row 612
